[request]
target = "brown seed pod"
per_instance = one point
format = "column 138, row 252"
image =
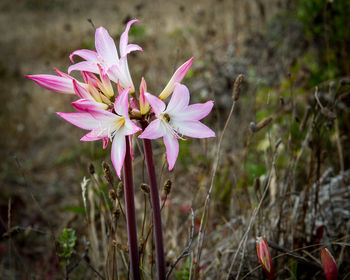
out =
column 237, row 87
column 167, row 187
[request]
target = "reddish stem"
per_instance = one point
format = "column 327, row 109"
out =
column 157, row 220
column 130, row 214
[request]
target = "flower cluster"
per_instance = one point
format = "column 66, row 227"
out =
column 110, row 109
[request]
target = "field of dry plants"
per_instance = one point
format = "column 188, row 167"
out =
column 279, row 166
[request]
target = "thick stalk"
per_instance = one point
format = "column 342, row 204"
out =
column 130, row 215
column 157, row 220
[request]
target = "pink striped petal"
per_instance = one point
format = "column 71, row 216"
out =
column 118, row 152
column 91, row 136
column 194, row 129
column 105, row 46
column 84, row 66
column 124, row 38
column 82, row 120
column 154, row 130
column 88, row 105
column 121, row 104
column 178, row 76
column 179, row 100
column 157, row 105
column 53, row 83
column 85, row 54
column 195, row 112
column 80, row 91
column 172, row 150
column 62, row 74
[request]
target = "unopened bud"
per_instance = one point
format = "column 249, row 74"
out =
column 167, row 187
column 107, row 173
column 120, row 189
column 112, row 194
column 257, row 184
column 116, row 214
column 91, row 168
column 329, row 265
column 237, row 87
column 264, row 257
column 260, row 125
column 145, row 188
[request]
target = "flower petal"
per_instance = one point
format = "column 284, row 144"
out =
column 91, row 136
column 85, row 54
column 154, row 130
column 130, row 127
column 87, row 66
column 105, row 46
column 178, row 76
column 194, row 129
column 172, row 149
column 157, row 105
column 53, row 83
column 179, row 100
column 80, row 91
column 88, row 105
column 82, row 120
column 195, row 112
column 124, row 48
column 118, row 152
column 121, row 104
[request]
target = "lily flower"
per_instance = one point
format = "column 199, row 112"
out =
column 104, row 124
column 106, row 56
column 176, row 120
column 177, row 77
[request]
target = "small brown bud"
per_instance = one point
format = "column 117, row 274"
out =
column 116, row 214
column 257, row 184
column 167, row 187
column 91, row 168
column 237, row 87
column 112, row 194
column 107, row 173
column 120, row 189
column 260, row 125
column 145, row 188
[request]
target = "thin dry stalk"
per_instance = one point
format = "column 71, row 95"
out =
column 204, row 218
column 252, row 220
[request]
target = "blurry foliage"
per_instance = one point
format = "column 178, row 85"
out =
column 66, row 243
column 185, row 272
column 327, row 24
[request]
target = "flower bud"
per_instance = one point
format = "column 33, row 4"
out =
column 329, row 265
column 107, row 173
column 167, row 187
column 237, row 87
column 145, row 188
column 264, row 257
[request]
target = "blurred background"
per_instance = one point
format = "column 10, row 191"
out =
column 285, row 49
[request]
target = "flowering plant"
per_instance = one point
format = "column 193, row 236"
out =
column 114, row 118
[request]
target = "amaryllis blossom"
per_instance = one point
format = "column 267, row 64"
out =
column 104, row 124
column 106, row 56
column 177, row 77
column 176, row 120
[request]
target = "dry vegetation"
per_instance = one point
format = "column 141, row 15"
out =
column 281, row 169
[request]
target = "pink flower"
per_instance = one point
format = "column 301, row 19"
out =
column 104, row 124
column 177, row 77
column 106, row 56
column 177, row 119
